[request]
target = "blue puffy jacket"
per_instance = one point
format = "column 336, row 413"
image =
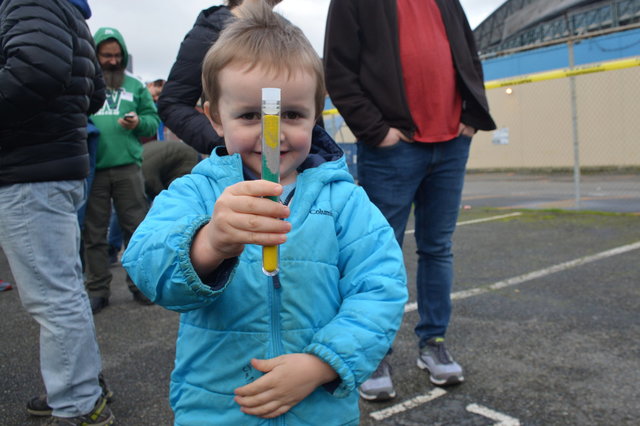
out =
column 340, row 295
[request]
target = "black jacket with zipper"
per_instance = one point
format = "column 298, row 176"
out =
column 180, row 94
column 364, row 73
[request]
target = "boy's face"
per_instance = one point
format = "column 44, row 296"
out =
column 238, row 118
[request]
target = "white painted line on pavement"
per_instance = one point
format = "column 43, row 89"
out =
column 469, row 222
column 544, row 272
column 408, row 405
column 489, row 219
column 409, row 307
column 502, row 419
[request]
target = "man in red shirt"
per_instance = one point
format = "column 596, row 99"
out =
column 406, row 77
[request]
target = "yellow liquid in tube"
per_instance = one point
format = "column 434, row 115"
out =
column 270, row 162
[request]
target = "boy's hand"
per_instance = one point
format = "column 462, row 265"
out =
column 240, row 217
column 288, row 380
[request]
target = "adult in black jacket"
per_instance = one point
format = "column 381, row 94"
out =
column 47, row 88
column 183, row 89
column 49, row 81
column 406, row 77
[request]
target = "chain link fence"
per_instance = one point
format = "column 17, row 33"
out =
column 581, row 124
column 580, row 121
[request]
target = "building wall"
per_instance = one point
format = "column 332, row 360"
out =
column 597, row 49
column 538, row 118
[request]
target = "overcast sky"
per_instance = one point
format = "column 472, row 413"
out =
column 153, row 29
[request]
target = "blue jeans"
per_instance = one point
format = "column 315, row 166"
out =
column 40, row 236
column 430, row 176
column 92, row 147
column 114, row 237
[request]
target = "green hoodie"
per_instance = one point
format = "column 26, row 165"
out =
column 119, row 146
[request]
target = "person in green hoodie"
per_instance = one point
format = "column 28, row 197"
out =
column 128, row 113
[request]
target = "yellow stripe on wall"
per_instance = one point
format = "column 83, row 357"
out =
column 565, row 72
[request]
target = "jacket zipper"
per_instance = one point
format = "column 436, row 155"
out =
column 276, row 334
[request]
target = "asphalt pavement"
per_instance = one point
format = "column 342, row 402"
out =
column 546, row 319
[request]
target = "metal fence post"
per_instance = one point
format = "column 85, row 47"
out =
column 574, row 120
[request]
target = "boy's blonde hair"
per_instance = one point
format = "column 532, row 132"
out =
column 263, row 39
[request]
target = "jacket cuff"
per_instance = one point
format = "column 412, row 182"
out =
column 345, row 384
column 333, row 385
column 222, row 274
column 184, row 261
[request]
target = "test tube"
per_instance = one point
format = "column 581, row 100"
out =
column 270, row 162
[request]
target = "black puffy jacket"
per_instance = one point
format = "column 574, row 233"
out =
column 184, row 86
column 50, row 80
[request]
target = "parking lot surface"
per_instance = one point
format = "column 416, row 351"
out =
column 546, row 322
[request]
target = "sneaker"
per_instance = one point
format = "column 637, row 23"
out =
column 38, row 406
column 379, row 386
column 101, row 415
column 5, row 286
column 113, row 256
column 106, row 390
column 435, row 358
column 98, row 303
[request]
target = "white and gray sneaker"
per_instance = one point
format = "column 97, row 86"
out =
column 379, row 386
column 443, row 370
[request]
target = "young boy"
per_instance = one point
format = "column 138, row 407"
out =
column 251, row 347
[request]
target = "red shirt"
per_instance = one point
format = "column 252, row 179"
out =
column 428, row 72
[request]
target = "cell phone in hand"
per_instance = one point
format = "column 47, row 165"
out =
column 129, row 116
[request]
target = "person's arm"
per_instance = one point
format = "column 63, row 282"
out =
column 38, row 52
column 147, row 114
column 342, row 52
column 475, row 114
column 183, row 89
column 157, row 257
column 181, row 257
column 241, row 216
column 99, row 90
column 470, row 40
column 374, row 284
column 348, row 349
column 288, row 379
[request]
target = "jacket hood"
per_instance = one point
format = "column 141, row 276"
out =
column 323, row 149
column 214, row 18
column 82, row 5
column 106, row 33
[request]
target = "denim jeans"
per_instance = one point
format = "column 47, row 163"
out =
column 429, row 176
column 115, row 233
column 92, row 147
column 40, row 236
